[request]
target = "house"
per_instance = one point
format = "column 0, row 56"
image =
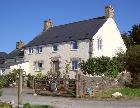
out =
column 2, row 57
column 57, row 46
column 14, row 60
column 2, row 60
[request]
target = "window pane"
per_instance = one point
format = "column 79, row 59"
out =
column 40, row 65
column 30, row 50
column 99, row 42
column 39, row 49
column 74, row 45
column 55, row 47
column 74, row 65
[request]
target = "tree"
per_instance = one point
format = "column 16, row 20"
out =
column 128, row 41
column 132, row 63
column 135, row 33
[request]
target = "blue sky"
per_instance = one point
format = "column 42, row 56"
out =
column 23, row 19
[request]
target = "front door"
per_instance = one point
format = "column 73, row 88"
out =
column 56, row 66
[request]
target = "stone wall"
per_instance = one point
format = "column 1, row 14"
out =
column 89, row 85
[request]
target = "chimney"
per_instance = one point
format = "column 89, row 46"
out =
column 19, row 44
column 47, row 24
column 109, row 12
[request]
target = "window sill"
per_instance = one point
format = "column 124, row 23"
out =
column 39, row 71
column 39, row 53
column 74, row 70
column 54, row 51
column 30, row 54
column 74, row 49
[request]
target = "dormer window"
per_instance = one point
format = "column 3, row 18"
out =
column 74, row 45
column 39, row 49
column 99, row 42
column 55, row 47
column 31, row 50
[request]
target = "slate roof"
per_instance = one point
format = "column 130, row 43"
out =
column 69, row 32
column 2, row 55
column 15, row 53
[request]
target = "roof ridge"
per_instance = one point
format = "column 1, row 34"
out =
column 102, row 17
column 67, row 32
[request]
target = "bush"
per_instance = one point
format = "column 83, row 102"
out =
column 10, row 78
column 132, row 64
column 103, row 65
column 4, row 105
column 39, row 76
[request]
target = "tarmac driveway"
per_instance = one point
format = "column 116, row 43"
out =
column 10, row 94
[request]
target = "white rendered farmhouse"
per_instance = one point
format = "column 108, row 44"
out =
column 56, row 46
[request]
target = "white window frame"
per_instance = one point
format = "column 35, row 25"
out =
column 99, row 44
column 39, row 49
column 36, row 66
column 30, row 50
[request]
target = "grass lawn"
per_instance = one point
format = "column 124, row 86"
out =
column 128, row 93
column 37, row 106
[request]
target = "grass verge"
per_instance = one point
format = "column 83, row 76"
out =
column 27, row 105
column 128, row 93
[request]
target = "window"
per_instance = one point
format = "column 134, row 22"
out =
column 31, row 50
column 74, row 64
column 74, row 45
column 99, row 44
column 55, row 47
column 38, row 65
column 39, row 49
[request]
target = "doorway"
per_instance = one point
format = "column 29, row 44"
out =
column 56, row 66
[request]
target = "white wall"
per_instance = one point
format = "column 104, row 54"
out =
column 24, row 66
column 112, row 40
column 64, row 52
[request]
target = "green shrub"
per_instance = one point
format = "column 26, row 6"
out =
column 39, row 76
column 27, row 105
column 132, row 63
column 4, row 105
column 8, row 79
column 101, row 65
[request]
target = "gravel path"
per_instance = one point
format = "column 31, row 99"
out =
column 10, row 94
